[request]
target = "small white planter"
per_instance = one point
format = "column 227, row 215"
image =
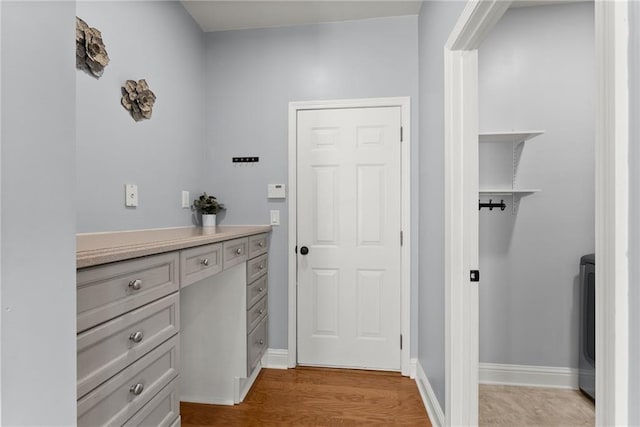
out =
column 209, row 220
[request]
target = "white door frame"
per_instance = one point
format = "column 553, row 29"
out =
column 405, row 217
column 612, row 181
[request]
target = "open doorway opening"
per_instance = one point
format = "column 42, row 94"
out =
column 537, row 92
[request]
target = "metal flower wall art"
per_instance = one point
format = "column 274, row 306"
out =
column 138, row 99
column 91, row 55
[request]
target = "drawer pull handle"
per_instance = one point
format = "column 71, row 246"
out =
column 261, row 342
column 136, row 337
column 136, row 389
column 135, row 285
column 261, row 244
column 260, row 289
column 238, row 251
column 261, row 267
column 205, row 262
column 260, row 311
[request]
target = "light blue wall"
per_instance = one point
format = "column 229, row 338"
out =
column 634, row 213
column 160, row 42
column 38, row 370
column 529, row 294
column 436, row 21
column 252, row 75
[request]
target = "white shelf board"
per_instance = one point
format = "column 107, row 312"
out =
column 520, row 191
column 513, row 137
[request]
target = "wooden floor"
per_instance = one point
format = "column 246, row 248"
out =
column 534, row 406
column 318, row 397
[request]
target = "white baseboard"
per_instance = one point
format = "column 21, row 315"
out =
column 241, row 386
column 529, row 376
column 275, row 358
column 207, row 400
column 412, row 368
column 436, row 414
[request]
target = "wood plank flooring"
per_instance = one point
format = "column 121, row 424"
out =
column 318, row 397
column 534, row 406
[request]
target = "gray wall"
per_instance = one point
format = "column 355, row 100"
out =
column 634, row 213
column 537, row 71
column 252, row 75
column 436, row 21
column 38, row 370
column 158, row 41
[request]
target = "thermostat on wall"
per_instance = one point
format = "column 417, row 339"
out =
column 276, row 191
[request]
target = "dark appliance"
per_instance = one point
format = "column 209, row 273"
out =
column 587, row 363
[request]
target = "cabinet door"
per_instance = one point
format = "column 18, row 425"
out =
column 235, row 252
column 123, row 395
column 107, row 291
column 108, row 348
column 200, row 262
column 257, row 267
column 257, row 245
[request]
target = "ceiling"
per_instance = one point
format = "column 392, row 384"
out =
column 216, row 15
column 222, row 15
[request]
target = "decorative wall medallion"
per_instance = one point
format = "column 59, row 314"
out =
column 138, row 99
column 91, row 55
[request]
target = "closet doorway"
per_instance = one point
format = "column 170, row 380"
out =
column 536, row 96
column 462, row 128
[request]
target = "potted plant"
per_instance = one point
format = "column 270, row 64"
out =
column 208, row 206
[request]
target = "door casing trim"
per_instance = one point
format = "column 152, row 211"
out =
column 405, row 217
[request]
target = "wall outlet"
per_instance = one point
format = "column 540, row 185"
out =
column 186, row 203
column 131, row 195
column 275, row 217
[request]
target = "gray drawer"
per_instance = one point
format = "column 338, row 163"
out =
column 256, row 290
column 234, row 252
column 256, row 313
column 257, row 267
column 258, row 245
column 105, row 350
column 107, row 291
column 113, row 402
column 200, row 262
column 256, row 345
column 161, row 411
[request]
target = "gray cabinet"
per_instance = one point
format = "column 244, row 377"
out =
column 129, row 332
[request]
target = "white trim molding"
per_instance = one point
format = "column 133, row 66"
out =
column 429, row 399
column 275, row 358
column 528, row 375
column 405, row 270
column 612, row 204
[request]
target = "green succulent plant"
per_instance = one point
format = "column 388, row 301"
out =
column 207, row 205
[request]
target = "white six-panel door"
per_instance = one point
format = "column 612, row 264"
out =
column 348, row 209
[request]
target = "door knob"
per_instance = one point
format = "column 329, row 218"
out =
column 304, row 250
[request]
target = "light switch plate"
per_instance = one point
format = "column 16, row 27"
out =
column 275, row 217
column 276, row 191
column 130, row 195
column 185, row 199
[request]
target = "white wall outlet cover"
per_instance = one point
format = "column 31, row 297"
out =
column 186, row 203
column 276, row 191
column 131, row 195
column 275, row 217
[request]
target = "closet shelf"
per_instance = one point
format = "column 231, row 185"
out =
column 512, row 136
column 515, row 191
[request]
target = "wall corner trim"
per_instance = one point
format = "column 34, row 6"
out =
column 275, row 358
column 434, row 410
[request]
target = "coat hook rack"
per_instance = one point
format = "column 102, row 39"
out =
column 492, row 205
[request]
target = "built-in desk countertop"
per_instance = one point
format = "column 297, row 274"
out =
column 102, row 248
